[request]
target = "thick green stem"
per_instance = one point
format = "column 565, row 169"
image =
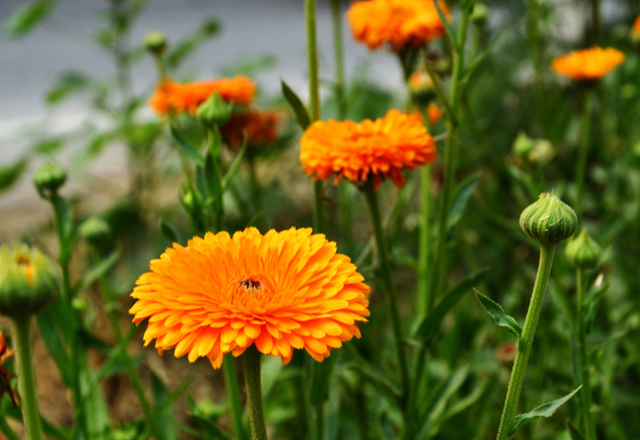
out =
column 583, row 360
column 450, row 159
column 339, row 58
column 425, row 238
column 21, row 327
column 251, row 365
column 582, row 155
column 595, row 21
column 390, row 289
column 533, row 34
column 525, row 342
column 233, row 396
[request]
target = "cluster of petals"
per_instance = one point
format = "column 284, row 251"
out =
column 173, row 97
column 279, row 291
column 396, row 23
column 588, row 64
column 370, row 149
column 260, row 128
column 635, row 30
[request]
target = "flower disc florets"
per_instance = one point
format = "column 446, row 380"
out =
column 280, row 291
column 370, row 149
column 549, row 220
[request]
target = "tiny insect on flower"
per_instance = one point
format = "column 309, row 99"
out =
column 279, row 291
column 377, row 149
column 588, row 64
column 396, row 23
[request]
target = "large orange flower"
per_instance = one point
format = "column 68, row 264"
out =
column 175, row 97
column 635, row 30
column 588, row 64
column 260, row 127
column 381, row 148
column 398, row 23
column 279, row 291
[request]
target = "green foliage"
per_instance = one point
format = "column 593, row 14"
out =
column 299, row 109
column 26, row 17
column 496, row 312
column 546, row 410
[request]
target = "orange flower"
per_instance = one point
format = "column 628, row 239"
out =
column 434, row 113
column 398, row 23
column 175, row 97
column 279, row 291
column 635, row 30
column 588, row 64
column 5, row 376
column 261, row 128
column 382, row 148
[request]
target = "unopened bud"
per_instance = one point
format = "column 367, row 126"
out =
column 48, row 179
column 155, row 42
column 583, row 252
column 549, row 220
column 214, row 111
column 480, row 13
column 96, row 231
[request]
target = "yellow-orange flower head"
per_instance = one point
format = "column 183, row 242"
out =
column 635, row 30
column 588, row 64
column 280, row 291
column 177, row 98
column 371, row 149
column 397, row 23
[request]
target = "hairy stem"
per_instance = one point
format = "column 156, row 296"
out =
column 251, row 365
column 582, row 155
column 583, row 360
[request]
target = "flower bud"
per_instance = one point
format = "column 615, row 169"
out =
column 549, row 220
column 96, row 231
column 583, row 252
column 421, row 87
column 48, row 179
column 523, row 144
column 155, row 42
column 480, row 13
column 29, row 281
column 542, row 152
column 214, row 111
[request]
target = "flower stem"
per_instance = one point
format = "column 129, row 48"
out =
column 314, row 104
column 251, row 366
column 21, row 327
column 374, row 211
column 425, row 237
column 525, row 341
column 233, row 396
column 583, row 360
column 582, row 155
column 440, row 251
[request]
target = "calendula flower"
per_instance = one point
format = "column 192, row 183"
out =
column 261, row 128
column 635, row 30
column 434, row 113
column 174, row 97
column 371, row 149
column 588, row 64
column 280, row 291
column 396, row 23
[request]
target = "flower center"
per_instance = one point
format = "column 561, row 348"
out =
column 23, row 261
column 251, row 283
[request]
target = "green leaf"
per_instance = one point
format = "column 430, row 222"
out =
column 249, row 66
column 166, row 425
column 461, row 198
column 53, row 341
column 189, row 150
column 212, row 177
column 48, row 147
column 302, row 115
column 208, row 428
column 574, row 432
column 545, row 410
column 430, row 326
column 97, row 271
column 10, row 174
column 479, row 60
column 169, row 231
column 187, row 46
column 95, row 407
column 226, row 180
column 451, row 33
column 496, row 311
column 24, row 18
column 67, row 84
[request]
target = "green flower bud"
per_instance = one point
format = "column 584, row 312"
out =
column 549, row 220
column 523, row 144
column 29, row 281
column 583, row 252
column 214, row 111
column 96, row 231
column 48, row 179
column 155, row 42
column 542, row 152
column 480, row 13
column 421, row 87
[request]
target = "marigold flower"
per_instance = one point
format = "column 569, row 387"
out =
column 381, row 148
column 588, row 64
column 261, row 128
column 279, row 291
column 434, row 113
column 635, row 30
column 398, row 23
column 174, row 97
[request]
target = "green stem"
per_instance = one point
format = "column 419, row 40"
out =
column 595, row 21
column 583, row 359
column 339, row 58
column 21, row 327
column 314, row 104
column 318, row 433
column 387, row 278
column 440, row 251
column 582, row 155
column 233, row 396
column 251, row 365
column 533, row 33
column 425, row 238
column 525, row 341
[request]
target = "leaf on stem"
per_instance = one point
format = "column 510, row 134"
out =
column 496, row 311
column 233, row 168
column 479, row 60
column 190, row 151
column 546, row 410
column 24, row 18
column 10, row 174
column 97, row 271
column 451, row 33
column 461, row 198
column 302, row 115
column 212, row 177
column 169, row 231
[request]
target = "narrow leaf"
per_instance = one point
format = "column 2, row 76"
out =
column 480, row 59
column 212, row 177
column 169, row 231
column 24, row 18
column 430, row 326
column 10, row 174
column 233, row 168
column 545, row 410
column 496, row 311
column 461, row 198
column 54, row 343
column 447, row 26
column 302, row 115
column 97, row 271
column 189, row 150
